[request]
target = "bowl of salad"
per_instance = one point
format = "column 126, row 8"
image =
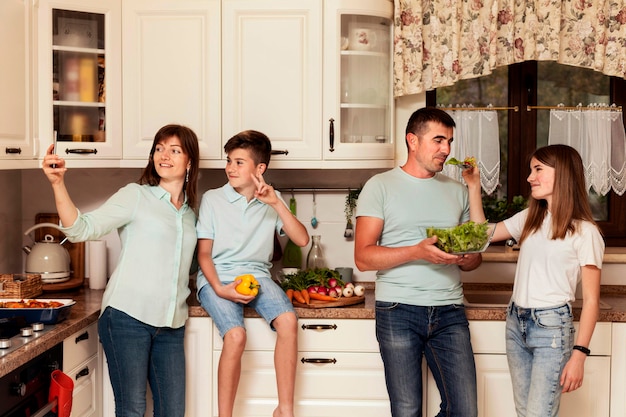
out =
column 465, row 238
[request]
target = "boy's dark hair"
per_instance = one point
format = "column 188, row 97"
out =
column 257, row 143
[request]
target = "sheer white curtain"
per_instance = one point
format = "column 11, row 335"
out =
column 598, row 135
column 477, row 134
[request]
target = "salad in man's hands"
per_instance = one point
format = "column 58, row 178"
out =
column 468, row 237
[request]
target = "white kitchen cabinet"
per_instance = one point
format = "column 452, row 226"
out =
column 171, row 73
column 339, row 373
column 198, row 369
column 15, row 82
column 283, row 67
column 199, row 366
column 618, row 370
column 79, row 84
column 81, row 362
column 495, row 393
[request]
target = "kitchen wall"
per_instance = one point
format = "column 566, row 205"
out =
column 27, row 193
column 10, row 213
column 91, row 187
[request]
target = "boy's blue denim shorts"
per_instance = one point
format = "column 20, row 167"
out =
column 270, row 303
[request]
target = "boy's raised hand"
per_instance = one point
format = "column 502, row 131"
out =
column 264, row 192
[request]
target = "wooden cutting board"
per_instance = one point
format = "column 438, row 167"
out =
column 76, row 251
column 341, row 302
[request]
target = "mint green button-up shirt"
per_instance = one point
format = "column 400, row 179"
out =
column 150, row 282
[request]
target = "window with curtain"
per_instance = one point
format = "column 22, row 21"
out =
column 544, row 83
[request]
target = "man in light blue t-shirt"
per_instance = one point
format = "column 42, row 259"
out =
column 419, row 297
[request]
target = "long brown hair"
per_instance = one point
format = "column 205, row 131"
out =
column 189, row 143
column 569, row 196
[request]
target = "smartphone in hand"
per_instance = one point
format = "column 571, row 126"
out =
column 54, row 147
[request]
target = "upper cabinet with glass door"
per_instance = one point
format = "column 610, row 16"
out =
column 282, row 71
column 358, row 77
column 79, row 85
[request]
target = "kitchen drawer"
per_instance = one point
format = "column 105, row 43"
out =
column 336, row 335
column 87, row 387
column 338, row 384
column 80, row 346
column 489, row 337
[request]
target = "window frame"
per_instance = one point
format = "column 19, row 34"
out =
column 522, row 127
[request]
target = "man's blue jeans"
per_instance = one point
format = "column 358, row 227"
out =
column 405, row 334
column 138, row 353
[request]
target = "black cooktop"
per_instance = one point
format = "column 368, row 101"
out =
column 10, row 327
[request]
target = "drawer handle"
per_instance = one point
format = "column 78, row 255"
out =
column 81, row 151
column 318, row 360
column 83, row 336
column 319, row 327
column 82, row 373
column 13, row 150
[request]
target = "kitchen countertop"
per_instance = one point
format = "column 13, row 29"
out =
column 83, row 313
column 87, row 309
column 612, row 255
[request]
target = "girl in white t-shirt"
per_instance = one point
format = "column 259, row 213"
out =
column 560, row 244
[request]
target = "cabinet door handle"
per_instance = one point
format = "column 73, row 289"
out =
column 280, row 152
column 13, row 150
column 83, row 336
column 319, row 327
column 331, row 134
column 318, row 360
column 81, row 151
column 83, row 372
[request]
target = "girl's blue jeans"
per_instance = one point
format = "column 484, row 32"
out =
column 138, row 353
column 538, row 345
column 406, row 334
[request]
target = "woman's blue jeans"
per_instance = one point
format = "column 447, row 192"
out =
column 407, row 333
column 137, row 354
column 538, row 345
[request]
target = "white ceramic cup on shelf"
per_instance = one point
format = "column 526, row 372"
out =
column 363, row 39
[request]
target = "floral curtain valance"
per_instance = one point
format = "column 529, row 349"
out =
column 439, row 42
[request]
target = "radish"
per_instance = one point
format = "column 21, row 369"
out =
column 312, row 289
column 332, row 283
column 348, row 292
column 322, row 290
column 333, row 293
column 359, row 290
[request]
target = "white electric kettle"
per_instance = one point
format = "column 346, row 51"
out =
column 48, row 258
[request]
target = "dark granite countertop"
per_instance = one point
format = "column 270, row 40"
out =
column 87, row 309
column 83, row 313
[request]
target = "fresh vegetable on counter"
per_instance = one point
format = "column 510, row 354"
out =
column 321, row 284
column 466, row 237
column 248, row 285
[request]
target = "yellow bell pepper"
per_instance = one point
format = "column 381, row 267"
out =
column 248, row 285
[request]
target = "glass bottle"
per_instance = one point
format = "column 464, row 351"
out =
column 315, row 258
